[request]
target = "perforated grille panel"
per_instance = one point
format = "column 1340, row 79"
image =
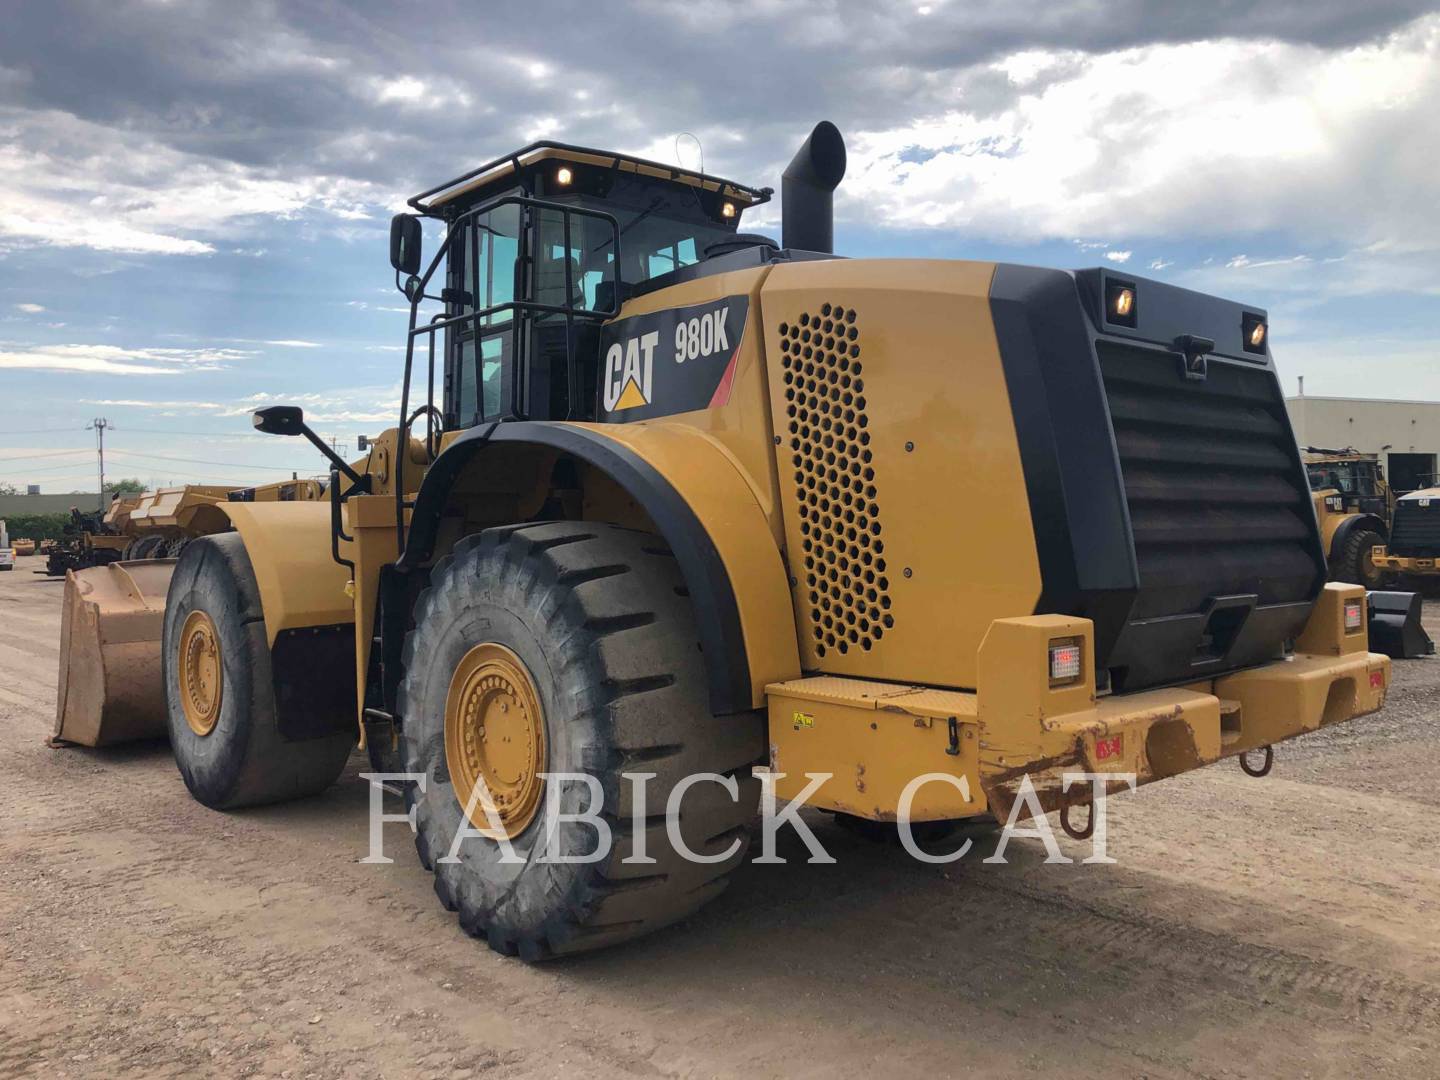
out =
column 843, row 547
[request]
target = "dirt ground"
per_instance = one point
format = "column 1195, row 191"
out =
column 1279, row 927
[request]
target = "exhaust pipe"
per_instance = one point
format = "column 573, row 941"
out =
column 807, row 191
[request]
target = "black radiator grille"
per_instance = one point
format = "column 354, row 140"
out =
column 1218, row 502
column 1416, row 532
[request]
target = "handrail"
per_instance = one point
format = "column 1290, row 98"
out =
column 415, row 290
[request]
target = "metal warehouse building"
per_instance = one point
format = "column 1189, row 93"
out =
column 1405, row 434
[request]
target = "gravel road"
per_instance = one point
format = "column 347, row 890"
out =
column 1282, row 927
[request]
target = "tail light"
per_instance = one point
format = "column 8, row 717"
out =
column 1065, row 661
column 1353, row 615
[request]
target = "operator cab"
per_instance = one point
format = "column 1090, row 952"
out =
column 540, row 248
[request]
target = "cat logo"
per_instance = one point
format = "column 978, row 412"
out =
column 637, row 379
column 629, row 368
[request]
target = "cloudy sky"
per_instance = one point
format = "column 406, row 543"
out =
column 194, row 196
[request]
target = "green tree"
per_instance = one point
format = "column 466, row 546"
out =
column 9, row 489
column 126, row 486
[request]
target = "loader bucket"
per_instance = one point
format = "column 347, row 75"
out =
column 110, row 685
column 1395, row 627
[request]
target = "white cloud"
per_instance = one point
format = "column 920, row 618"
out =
column 292, row 343
column 141, row 403
column 1161, row 264
column 30, row 309
column 357, row 405
column 68, row 182
column 406, row 88
column 1118, row 256
column 113, row 360
column 1212, row 137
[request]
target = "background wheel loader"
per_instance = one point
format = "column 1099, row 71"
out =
column 1354, row 505
column 667, row 498
column 1413, row 553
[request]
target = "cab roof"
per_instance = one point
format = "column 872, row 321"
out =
column 1423, row 493
column 502, row 172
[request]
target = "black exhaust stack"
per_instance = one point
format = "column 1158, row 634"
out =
column 807, row 191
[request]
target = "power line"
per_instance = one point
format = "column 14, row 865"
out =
column 39, row 431
column 47, row 454
column 208, row 434
column 202, row 461
column 46, row 468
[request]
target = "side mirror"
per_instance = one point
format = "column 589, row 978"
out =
column 405, row 244
column 279, row 420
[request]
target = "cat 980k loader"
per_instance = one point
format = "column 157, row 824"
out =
column 669, row 498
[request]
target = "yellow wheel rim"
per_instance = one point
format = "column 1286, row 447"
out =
column 202, row 675
column 495, row 733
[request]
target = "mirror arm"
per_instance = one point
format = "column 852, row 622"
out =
column 359, row 482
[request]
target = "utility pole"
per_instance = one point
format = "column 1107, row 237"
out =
column 98, row 425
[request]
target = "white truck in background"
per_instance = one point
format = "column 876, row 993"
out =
column 7, row 557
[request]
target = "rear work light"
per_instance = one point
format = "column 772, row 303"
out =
column 1065, row 661
column 1352, row 615
column 1253, row 331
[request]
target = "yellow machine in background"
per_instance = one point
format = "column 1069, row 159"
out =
column 666, row 498
column 1354, row 505
column 1414, row 548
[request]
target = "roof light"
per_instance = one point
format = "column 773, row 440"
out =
column 1120, row 303
column 563, row 176
column 1352, row 615
column 1065, row 661
column 727, row 209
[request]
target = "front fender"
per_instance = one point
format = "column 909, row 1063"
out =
column 1349, row 526
column 289, row 547
column 699, row 501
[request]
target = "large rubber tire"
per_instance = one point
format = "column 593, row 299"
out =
column 1354, row 565
column 146, row 547
column 245, row 760
column 601, row 619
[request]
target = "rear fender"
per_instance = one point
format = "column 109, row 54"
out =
column 669, row 477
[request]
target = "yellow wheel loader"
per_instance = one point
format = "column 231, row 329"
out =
column 1354, row 505
column 667, row 501
column 1414, row 548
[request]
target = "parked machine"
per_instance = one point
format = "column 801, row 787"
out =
column 1414, row 548
column 7, row 553
column 665, row 497
column 86, row 541
column 1353, row 504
